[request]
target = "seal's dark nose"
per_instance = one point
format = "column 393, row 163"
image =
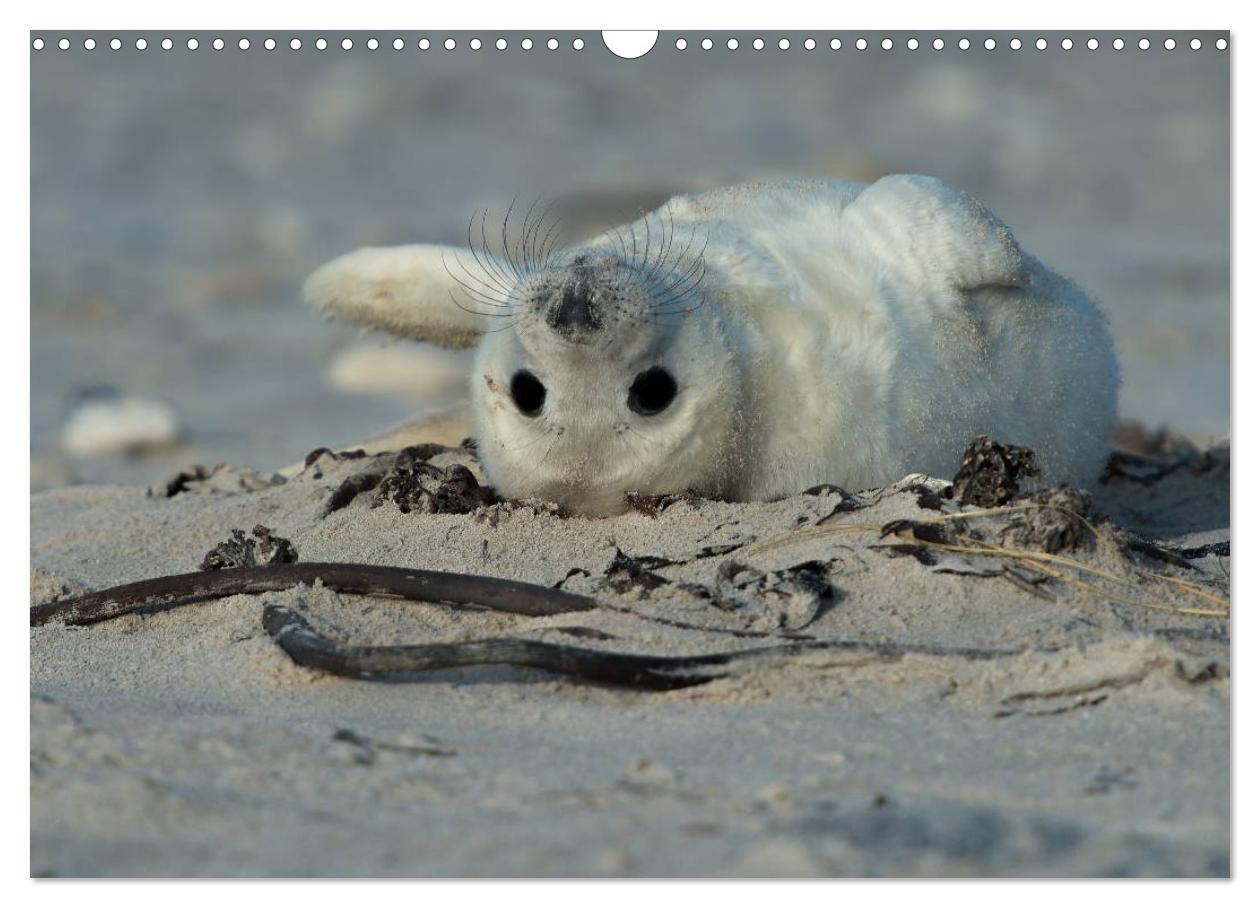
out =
column 574, row 313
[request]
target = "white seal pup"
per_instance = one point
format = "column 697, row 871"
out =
column 751, row 342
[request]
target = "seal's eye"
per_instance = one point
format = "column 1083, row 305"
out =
column 528, row 393
column 652, row 392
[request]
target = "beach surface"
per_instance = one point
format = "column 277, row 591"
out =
column 1056, row 705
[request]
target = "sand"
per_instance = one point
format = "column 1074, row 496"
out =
column 185, row 742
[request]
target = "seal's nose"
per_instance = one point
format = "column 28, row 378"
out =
column 574, row 313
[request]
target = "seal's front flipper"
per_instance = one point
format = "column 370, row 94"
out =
column 923, row 233
column 432, row 293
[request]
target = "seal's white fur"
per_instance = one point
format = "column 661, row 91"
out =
column 842, row 333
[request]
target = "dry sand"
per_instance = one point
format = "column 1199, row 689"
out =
column 184, row 742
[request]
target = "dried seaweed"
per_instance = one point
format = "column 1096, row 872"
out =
column 308, row 648
column 915, row 531
column 222, row 478
column 1060, row 525
column 928, row 498
column 182, row 479
column 313, row 458
column 989, row 474
column 242, row 551
column 787, row 599
column 826, row 488
column 1160, row 443
column 362, row 579
column 351, row 488
column 1145, row 472
column 411, row 482
column 655, row 505
column 415, row 484
column 366, row 748
column 1219, row 549
column 625, row 574
column 846, row 505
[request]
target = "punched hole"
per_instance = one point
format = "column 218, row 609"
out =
column 630, row 45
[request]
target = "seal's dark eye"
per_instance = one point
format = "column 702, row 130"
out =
column 652, row 392
column 528, row 393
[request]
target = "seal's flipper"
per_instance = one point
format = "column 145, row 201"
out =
column 432, row 293
column 934, row 236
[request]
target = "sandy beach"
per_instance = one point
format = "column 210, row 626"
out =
column 1084, row 729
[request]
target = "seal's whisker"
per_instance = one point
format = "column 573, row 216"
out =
column 526, row 241
column 472, row 311
column 508, row 327
column 478, row 297
column 507, row 253
column 647, row 242
column 509, row 303
column 655, row 270
column 500, row 266
column 682, row 278
column 621, row 241
column 491, row 272
column 539, row 252
column 494, row 291
column 682, row 255
column 549, row 241
column 489, row 294
column 518, row 246
column 681, row 292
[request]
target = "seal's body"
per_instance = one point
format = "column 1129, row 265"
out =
column 751, row 342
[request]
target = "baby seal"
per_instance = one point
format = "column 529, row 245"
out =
column 751, row 342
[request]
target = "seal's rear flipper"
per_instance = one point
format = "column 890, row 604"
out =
column 432, row 293
column 927, row 234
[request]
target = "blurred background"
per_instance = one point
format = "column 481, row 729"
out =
column 179, row 198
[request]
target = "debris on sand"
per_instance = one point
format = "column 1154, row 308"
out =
column 1058, row 523
column 1125, row 467
column 415, row 484
column 788, row 599
column 1139, row 439
column 222, row 479
column 655, row 505
column 626, row 574
column 313, row 462
column 989, row 474
column 410, row 481
column 181, row 481
column 242, row 551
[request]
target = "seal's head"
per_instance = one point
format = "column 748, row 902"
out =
column 602, row 371
column 605, row 379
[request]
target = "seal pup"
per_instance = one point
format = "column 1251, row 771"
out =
column 750, row 342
